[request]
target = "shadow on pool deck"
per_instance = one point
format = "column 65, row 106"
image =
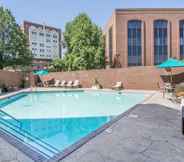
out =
column 150, row 133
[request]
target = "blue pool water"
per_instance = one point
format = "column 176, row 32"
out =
column 52, row 121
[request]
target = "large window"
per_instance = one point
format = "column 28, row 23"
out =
column 33, row 33
column 42, row 34
column 55, row 36
column 134, row 43
column 182, row 39
column 110, row 46
column 160, row 41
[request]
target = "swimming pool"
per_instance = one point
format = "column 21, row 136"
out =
column 51, row 121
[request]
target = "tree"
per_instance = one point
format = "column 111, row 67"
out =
column 14, row 50
column 85, row 45
column 57, row 65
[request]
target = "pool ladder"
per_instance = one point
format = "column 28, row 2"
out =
column 5, row 116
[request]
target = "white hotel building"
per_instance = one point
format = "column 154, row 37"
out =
column 44, row 41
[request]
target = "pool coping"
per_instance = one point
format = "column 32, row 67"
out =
column 37, row 157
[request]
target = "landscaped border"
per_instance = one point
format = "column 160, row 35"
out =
column 37, row 157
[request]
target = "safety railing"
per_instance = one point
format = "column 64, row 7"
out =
column 9, row 121
column 7, row 117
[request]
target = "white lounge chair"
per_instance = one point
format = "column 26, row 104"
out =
column 76, row 84
column 57, row 83
column 95, row 87
column 167, row 89
column 63, row 83
column 118, row 85
column 69, row 84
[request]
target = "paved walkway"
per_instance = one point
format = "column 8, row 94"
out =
column 150, row 133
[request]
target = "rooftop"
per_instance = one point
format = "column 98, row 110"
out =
column 41, row 25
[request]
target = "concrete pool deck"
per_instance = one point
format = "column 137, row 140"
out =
column 149, row 133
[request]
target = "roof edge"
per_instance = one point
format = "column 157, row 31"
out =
column 41, row 25
column 149, row 9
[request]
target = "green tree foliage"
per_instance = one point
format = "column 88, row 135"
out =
column 85, row 45
column 57, row 65
column 14, row 49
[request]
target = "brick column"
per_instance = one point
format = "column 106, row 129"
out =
column 125, row 62
column 175, row 38
column 178, row 39
column 152, row 42
column 169, row 39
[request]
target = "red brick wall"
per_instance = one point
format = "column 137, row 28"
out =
column 10, row 78
column 132, row 78
column 119, row 22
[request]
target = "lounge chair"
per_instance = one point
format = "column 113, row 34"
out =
column 95, row 87
column 69, row 84
column 57, row 83
column 117, row 86
column 167, row 88
column 76, row 84
column 63, row 83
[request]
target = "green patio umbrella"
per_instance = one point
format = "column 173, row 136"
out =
column 41, row 72
column 169, row 64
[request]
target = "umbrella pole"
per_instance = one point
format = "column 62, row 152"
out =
column 171, row 77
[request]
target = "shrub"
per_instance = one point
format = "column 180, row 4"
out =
column 22, row 84
column 3, row 87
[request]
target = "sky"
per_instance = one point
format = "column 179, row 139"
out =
column 58, row 12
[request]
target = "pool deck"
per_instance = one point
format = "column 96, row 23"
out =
column 151, row 132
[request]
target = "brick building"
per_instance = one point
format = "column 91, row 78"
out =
column 144, row 37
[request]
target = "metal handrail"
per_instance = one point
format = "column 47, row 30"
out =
column 28, row 134
column 3, row 112
column 32, row 139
